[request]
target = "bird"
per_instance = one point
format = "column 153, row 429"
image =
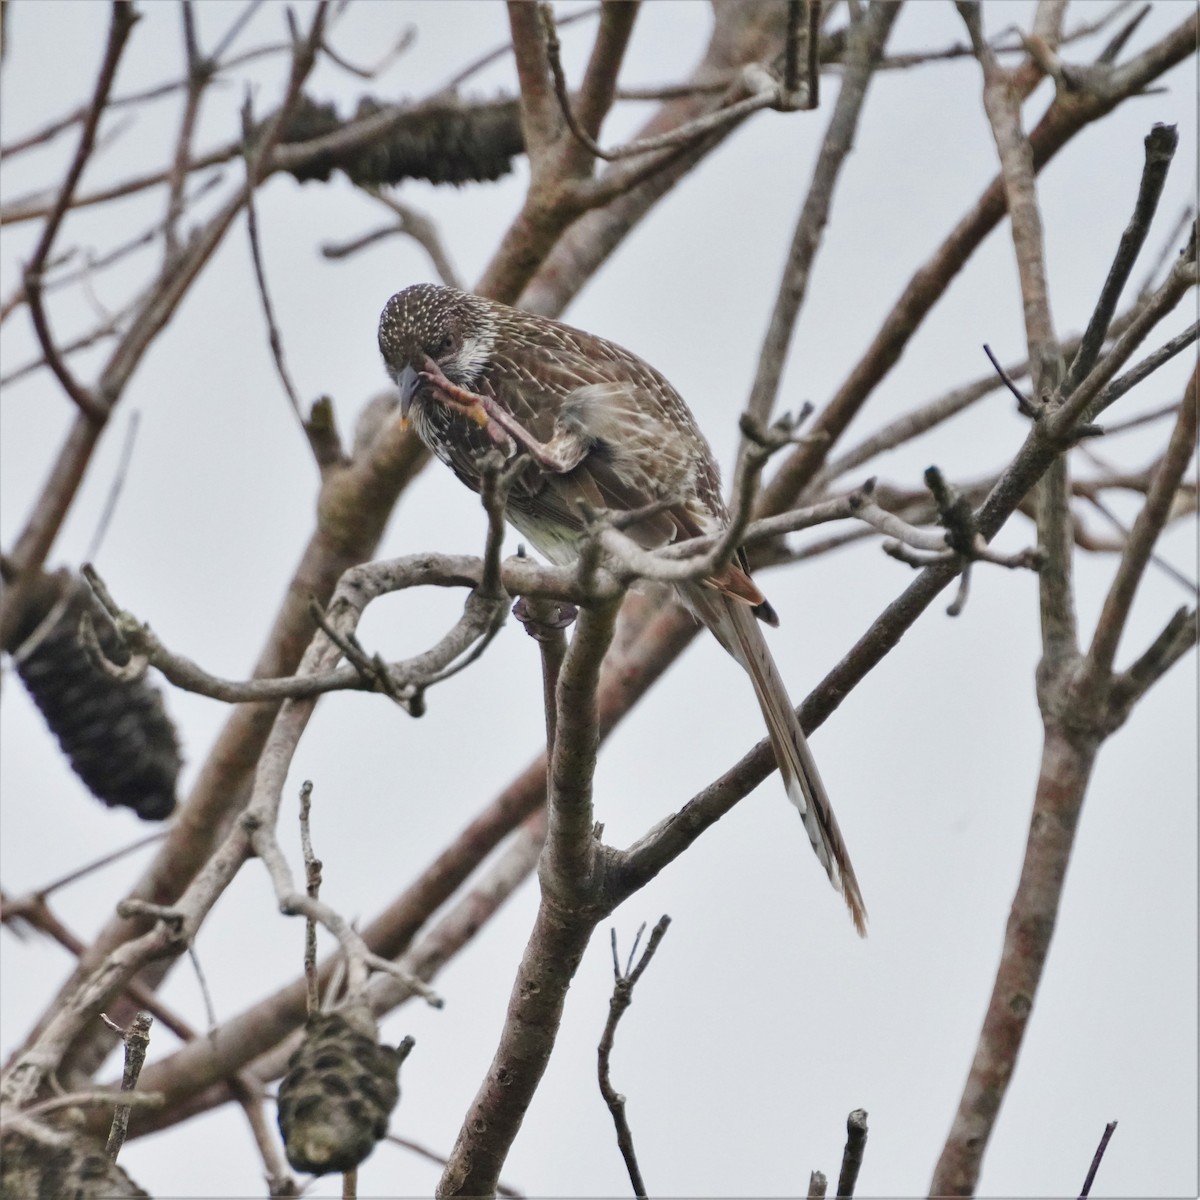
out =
column 600, row 427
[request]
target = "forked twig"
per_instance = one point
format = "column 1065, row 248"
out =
column 622, row 997
column 137, row 1041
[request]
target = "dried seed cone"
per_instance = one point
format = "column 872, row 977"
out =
column 339, row 1090
column 33, row 1168
column 115, row 733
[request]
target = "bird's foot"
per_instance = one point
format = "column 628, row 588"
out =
column 474, row 407
column 564, row 452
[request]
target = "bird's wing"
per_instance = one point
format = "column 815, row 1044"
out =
column 639, row 444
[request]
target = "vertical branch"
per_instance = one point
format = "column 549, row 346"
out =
column 137, row 1042
column 570, row 907
column 92, row 407
column 1002, row 104
column 569, row 863
column 540, row 118
column 312, row 887
column 1065, row 770
column 199, row 72
column 1054, row 521
column 865, row 49
column 548, row 964
column 599, row 86
column 852, row 1156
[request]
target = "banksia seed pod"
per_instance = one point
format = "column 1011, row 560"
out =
column 115, row 733
column 339, row 1090
column 57, row 1164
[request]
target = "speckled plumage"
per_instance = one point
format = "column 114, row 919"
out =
column 631, row 441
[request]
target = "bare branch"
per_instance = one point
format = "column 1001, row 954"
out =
column 123, row 19
column 1111, row 1127
column 473, row 68
column 622, row 997
column 199, row 74
column 540, row 115
column 1168, row 249
column 1057, row 126
column 863, row 53
column 1161, row 142
column 14, row 906
column 1119, row 386
column 260, row 275
column 599, row 86
column 360, row 961
column 413, row 224
column 569, row 863
column 406, row 39
column 1176, row 639
column 137, row 1042
column 852, row 1156
column 1024, row 406
column 312, row 884
column 1145, row 532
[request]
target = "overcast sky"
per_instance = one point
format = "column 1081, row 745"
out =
column 764, row 1020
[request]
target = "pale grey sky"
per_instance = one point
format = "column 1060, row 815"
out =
column 763, row 1020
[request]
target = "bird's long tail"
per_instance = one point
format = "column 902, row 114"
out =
column 733, row 624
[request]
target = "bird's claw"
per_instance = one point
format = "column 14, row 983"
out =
column 558, row 456
column 471, row 405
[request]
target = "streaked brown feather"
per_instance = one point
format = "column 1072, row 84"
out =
column 637, row 445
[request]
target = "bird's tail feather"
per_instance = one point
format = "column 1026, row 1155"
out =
column 732, row 622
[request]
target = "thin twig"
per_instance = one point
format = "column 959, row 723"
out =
column 622, row 997
column 1024, row 406
column 413, row 224
column 406, row 39
column 1145, row 368
column 865, row 47
column 62, row 881
column 433, row 1156
column 199, row 74
column 763, row 89
column 137, row 1041
column 1105, row 1138
column 457, row 80
column 1160, row 145
column 1142, row 537
column 249, row 1094
column 1157, row 559
column 210, row 1009
column 114, row 490
column 312, row 877
column 1170, row 246
column 123, row 18
column 260, row 275
column 1178, row 636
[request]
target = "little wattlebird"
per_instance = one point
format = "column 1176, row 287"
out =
column 595, row 424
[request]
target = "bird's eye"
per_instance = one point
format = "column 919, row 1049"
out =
column 444, row 346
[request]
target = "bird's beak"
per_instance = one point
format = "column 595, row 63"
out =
column 407, row 381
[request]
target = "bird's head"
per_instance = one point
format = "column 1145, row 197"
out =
column 425, row 322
